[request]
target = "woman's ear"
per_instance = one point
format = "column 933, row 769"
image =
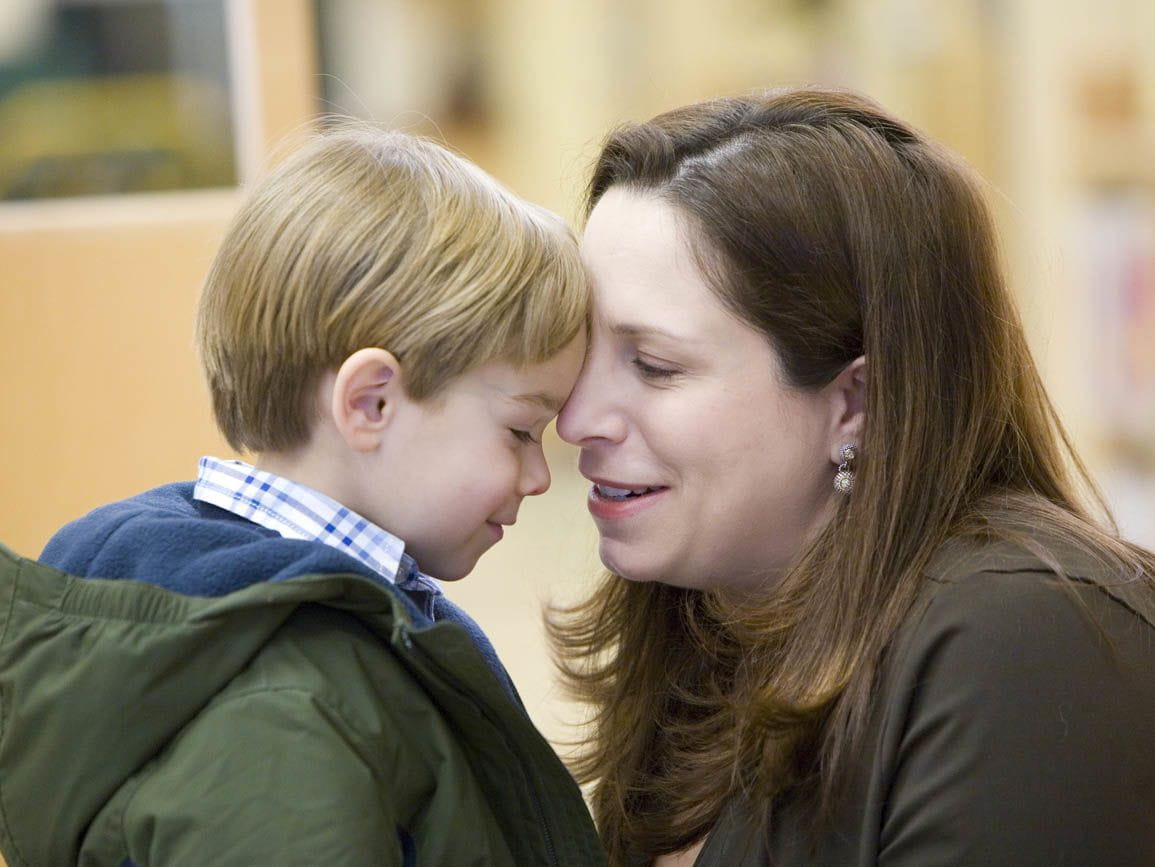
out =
column 848, row 407
column 365, row 396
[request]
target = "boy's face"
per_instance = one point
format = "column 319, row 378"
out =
column 457, row 468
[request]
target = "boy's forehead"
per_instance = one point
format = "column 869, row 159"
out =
column 543, row 387
column 528, row 395
column 540, row 400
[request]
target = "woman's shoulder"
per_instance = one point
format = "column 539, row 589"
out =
column 1013, row 711
column 1002, row 627
column 999, row 580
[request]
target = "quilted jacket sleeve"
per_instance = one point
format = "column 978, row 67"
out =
column 270, row 777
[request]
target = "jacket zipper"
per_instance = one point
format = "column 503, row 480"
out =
column 543, row 821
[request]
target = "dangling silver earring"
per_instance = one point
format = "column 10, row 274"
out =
column 844, row 478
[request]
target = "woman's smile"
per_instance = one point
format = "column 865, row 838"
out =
column 610, row 501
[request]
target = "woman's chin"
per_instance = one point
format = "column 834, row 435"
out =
column 624, row 562
column 636, row 566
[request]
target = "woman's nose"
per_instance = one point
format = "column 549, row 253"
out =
column 591, row 413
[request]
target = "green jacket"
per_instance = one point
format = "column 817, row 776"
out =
column 298, row 722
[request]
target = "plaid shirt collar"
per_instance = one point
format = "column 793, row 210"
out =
column 299, row 512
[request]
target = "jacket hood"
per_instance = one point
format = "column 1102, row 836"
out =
column 97, row 675
column 165, row 537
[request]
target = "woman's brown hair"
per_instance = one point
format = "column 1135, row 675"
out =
column 837, row 231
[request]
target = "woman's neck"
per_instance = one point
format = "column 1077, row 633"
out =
column 685, row 858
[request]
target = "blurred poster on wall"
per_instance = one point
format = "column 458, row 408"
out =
column 1118, row 234
column 100, row 98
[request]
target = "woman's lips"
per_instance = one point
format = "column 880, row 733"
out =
column 610, row 501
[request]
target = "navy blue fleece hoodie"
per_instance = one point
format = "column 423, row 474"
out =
column 166, row 538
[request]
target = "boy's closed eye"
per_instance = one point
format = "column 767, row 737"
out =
column 533, row 411
column 525, row 436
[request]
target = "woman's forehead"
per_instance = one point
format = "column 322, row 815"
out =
column 643, row 269
column 636, row 226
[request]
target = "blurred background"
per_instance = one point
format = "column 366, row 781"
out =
column 128, row 128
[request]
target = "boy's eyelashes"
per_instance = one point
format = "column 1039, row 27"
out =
column 524, row 436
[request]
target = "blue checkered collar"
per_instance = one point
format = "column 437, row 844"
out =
column 296, row 511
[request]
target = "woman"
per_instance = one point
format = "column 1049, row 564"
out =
column 858, row 612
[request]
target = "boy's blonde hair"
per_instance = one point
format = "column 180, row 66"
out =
column 366, row 238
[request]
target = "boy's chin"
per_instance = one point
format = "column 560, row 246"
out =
column 449, row 570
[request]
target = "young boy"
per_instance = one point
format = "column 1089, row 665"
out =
column 278, row 682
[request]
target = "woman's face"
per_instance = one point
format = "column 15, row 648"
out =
column 707, row 470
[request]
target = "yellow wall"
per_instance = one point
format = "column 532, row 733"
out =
column 100, row 386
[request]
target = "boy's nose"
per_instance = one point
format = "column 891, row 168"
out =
column 535, row 478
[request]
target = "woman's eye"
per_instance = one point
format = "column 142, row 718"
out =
column 522, row 435
column 653, row 371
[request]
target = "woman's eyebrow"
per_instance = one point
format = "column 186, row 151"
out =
column 627, row 329
column 636, row 331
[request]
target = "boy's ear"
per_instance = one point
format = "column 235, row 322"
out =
column 365, row 394
column 848, row 407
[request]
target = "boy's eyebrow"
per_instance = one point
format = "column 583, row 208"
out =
column 548, row 402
